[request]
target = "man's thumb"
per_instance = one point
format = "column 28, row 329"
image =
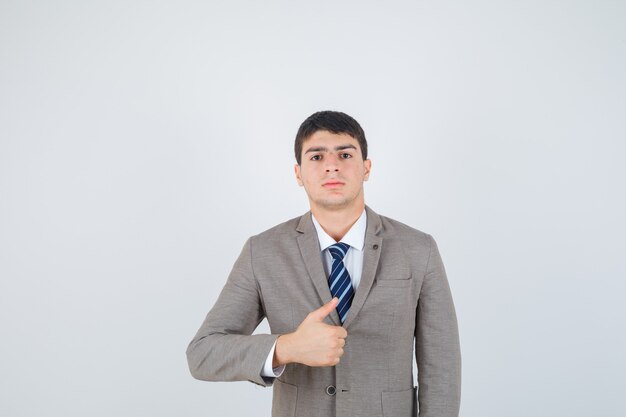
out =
column 326, row 309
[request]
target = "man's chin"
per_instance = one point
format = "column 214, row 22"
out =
column 334, row 204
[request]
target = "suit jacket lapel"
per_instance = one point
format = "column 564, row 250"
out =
column 310, row 250
column 371, row 256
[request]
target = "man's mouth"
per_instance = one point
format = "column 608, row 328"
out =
column 333, row 184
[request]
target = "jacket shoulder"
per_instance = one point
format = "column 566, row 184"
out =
column 411, row 238
column 395, row 227
column 266, row 242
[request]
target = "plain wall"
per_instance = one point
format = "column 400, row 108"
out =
column 141, row 143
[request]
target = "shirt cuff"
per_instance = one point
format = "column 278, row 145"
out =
column 268, row 371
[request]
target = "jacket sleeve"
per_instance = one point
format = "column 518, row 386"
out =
column 437, row 347
column 224, row 348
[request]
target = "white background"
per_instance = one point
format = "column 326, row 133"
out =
column 141, row 143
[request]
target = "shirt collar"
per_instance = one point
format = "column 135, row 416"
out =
column 355, row 236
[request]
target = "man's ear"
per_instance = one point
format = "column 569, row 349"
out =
column 296, row 169
column 368, row 166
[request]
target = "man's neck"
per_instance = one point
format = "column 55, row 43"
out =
column 337, row 222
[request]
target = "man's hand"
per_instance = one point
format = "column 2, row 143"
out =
column 314, row 343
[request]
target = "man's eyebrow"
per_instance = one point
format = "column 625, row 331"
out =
column 325, row 149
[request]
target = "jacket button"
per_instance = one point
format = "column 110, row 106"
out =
column 330, row 390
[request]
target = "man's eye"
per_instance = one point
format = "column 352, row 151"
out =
column 346, row 155
column 315, row 157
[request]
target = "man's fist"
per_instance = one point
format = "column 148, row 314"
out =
column 314, row 343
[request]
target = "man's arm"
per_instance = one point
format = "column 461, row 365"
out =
column 437, row 348
column 224, row 348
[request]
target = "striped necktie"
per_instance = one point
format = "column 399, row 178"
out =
column 339, row 280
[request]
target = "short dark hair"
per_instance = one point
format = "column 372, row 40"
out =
column 332, row 121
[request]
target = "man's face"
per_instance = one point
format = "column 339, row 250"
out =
column 332, row 170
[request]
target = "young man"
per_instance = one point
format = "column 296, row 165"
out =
column 346, row 293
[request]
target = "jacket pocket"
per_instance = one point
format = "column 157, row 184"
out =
column 400, row 282
column 284, row 399
column 400, row 403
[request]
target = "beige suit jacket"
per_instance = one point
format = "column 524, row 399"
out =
column 403, row 298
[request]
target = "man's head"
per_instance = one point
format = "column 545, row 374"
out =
column 331, row 152
column 331, row 121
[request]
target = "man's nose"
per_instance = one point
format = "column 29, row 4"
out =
column 331, row 164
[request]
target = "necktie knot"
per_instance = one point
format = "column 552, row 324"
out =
column 338, row 250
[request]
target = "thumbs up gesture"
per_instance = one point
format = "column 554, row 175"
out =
column 314, row 343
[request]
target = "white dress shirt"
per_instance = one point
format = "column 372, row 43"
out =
column 355, row 237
